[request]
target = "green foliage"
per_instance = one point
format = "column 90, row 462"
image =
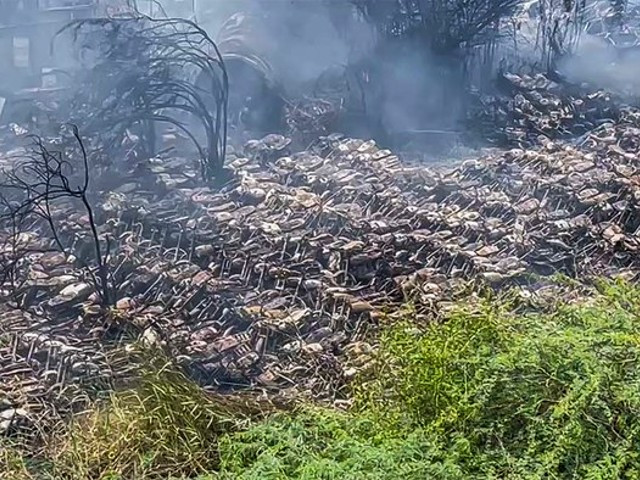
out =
column 323, row 444
column 522, row 396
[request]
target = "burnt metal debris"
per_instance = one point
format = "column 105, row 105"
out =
column 275, row 281
column 527, row 107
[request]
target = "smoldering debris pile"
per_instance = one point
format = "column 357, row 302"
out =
column 275, row 281
column 311, row 117
column 526, row 108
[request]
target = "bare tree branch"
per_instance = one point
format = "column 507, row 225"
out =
column 32, row 188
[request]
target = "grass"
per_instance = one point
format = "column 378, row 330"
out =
column 166, row 426
column 13, row 463
column 494, row 392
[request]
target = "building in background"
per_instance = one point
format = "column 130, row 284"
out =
column 29, row 66
column 27, row 28
column 28, row 63
column 170, row 8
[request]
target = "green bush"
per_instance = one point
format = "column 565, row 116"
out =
column 324, row 444
column 535, row 395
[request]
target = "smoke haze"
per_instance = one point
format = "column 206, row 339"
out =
column 303, row 40
column 600, row 63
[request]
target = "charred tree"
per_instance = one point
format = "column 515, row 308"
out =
column 141, row 72
column 444, row 26
column 37, row 191
column 559, row 28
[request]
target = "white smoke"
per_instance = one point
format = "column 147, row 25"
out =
column 601, row 63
